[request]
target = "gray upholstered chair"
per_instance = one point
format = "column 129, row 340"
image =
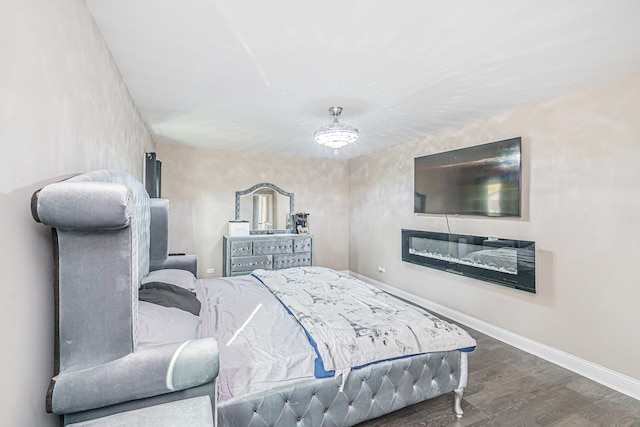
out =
column 159, row 257
column 100, row 223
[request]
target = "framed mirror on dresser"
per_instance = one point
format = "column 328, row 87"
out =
column 267, row 207
column 272, row 243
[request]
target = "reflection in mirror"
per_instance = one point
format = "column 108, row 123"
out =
column 267, row 208
column 263, row 207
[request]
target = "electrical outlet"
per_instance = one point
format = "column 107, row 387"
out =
column 381, row 269
column 211, row 270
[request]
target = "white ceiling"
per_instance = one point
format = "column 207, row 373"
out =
column 260, row 75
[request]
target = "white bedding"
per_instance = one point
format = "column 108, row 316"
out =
column 163, row 325
column 261, row 345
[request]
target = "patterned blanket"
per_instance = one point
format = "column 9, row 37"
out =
column 351, row 323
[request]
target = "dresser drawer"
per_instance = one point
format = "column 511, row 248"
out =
column 302, row 245
column 291, row 260
column 243, row 254
column 241, row 248
column 272, row 246
column 249, row 263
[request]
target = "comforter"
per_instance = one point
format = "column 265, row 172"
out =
column 351, row 323
column 265, row 343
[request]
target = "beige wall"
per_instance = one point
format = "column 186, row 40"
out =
column 582, row 173
column 201, row 184
column 64, row 109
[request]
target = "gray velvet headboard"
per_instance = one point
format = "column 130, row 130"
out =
column 101, row 223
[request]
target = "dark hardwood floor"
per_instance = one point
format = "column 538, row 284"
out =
column 509, row 387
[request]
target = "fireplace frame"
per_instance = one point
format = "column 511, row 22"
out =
column 506, row 262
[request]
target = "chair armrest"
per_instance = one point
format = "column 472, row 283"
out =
column 180, row 262
column 83, row 205
column 149, row 371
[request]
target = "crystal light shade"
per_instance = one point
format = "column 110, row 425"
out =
column 336, row 134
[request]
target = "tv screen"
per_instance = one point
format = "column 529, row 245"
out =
column 483, row 180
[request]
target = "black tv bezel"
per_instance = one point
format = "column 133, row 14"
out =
column 516, row 140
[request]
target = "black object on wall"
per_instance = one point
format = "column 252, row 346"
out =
column 507, row 262
column 152, row 175
column 483, row 180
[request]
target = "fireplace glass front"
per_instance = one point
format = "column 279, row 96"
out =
column 503, row 261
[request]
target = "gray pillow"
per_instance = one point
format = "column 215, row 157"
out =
column 168, row 295
column 182, row 278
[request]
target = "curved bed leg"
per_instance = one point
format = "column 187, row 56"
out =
column 457, row 404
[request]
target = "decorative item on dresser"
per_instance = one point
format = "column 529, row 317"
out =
column 300, row 219
column 243, row 254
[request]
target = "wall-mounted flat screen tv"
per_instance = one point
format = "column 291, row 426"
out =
column 483, row 180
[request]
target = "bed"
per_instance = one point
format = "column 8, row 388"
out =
column 128, row 338
column 280, row 336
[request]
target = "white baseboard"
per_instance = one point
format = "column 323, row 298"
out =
column 612, row 379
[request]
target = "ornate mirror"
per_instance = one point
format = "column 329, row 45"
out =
column 267, row 207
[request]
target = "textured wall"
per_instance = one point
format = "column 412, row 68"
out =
column 581, row 175
column 64, row 109
column 201, row 184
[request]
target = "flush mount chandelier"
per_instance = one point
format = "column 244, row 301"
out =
column 336, row 134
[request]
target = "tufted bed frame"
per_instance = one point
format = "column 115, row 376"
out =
column 99, row 369
column 368, row 393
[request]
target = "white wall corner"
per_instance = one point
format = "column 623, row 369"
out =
column 607, row 377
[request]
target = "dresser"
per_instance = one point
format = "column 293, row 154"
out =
column 243, row 254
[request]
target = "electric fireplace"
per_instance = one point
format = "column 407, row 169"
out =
column 503, row 261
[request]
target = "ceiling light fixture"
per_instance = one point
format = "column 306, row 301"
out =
column 336, row 134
